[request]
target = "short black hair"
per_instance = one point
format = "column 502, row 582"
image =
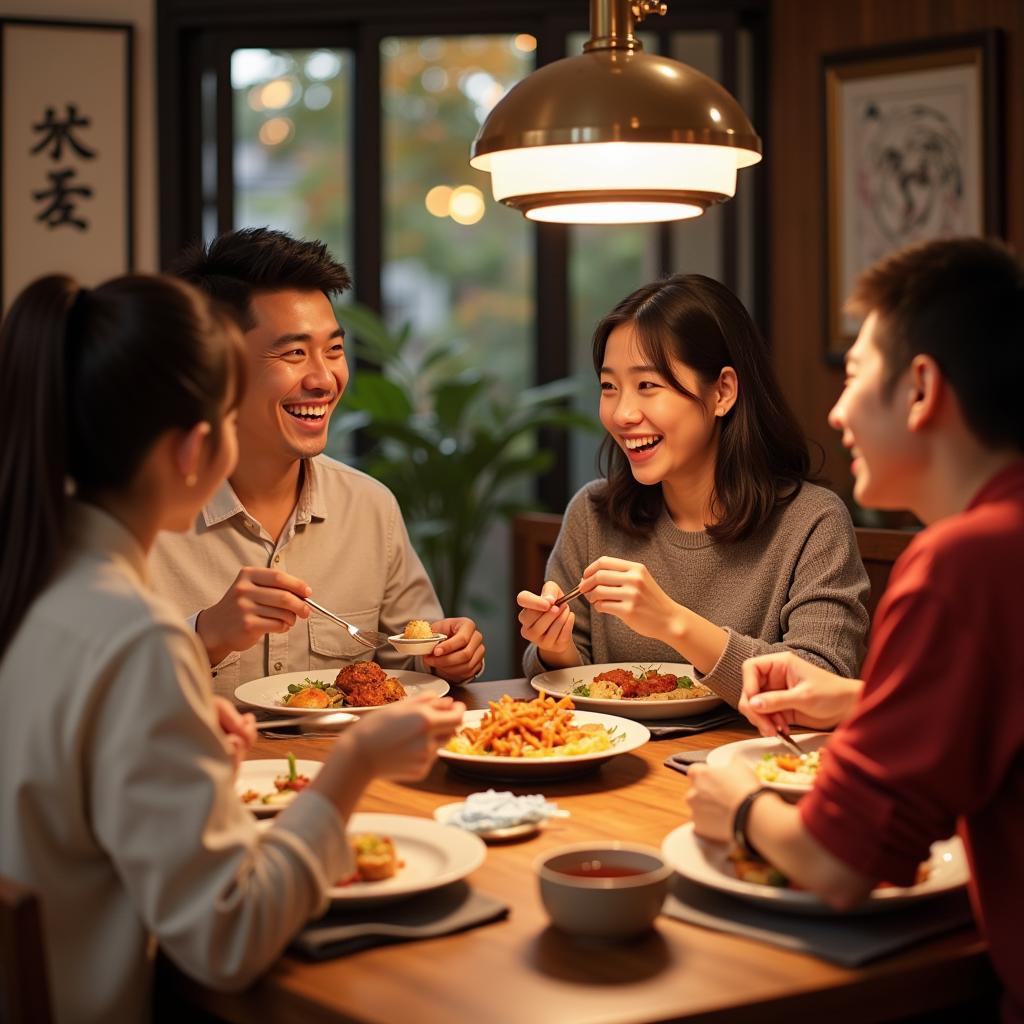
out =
column 960, row 301
column 239, row 263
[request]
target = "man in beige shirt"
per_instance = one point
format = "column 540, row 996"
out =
column 291, row 522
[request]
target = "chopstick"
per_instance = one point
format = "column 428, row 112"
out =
column 783, row 734
column 313, row 723
column 565, row 598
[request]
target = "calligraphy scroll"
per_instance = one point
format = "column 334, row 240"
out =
column 66, row 202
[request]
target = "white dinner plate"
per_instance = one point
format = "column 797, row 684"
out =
column 432, row 855
column 707, row 863
column 260, row 775
column 626, row 736
column 561, row 682
column 268, row 692
column 750, row 752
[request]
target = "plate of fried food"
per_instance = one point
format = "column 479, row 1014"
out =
column 721, row 866
column 543, row 738
column 398, row 856
column 358, row 687
column 644, row 693
column 267, row 786
column 776, row 765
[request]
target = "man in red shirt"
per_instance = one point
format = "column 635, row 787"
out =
column 932, row 739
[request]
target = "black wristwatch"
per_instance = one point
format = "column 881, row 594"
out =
column 739, row 821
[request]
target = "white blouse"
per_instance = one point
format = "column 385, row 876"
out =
column 117, row 803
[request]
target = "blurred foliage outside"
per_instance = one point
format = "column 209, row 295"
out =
column 466, row 283
column 451, row 449
column 293, row 143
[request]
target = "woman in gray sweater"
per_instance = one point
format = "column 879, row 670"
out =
column 705, row 542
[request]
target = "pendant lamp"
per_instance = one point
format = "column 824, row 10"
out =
column 615, row 135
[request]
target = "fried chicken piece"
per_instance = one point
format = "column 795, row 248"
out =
column 366, row 685
column 374, row 694
column 358, row 673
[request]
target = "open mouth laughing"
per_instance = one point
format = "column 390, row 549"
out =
column 641, row 445
column 311, row 413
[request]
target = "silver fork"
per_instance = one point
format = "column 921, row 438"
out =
column 371, row 638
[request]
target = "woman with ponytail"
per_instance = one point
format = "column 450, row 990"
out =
column 117, row 803
column 705, row 543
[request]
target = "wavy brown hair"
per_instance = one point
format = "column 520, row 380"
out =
column 762, row 454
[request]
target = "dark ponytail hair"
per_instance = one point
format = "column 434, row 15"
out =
column 762, row 454
column 88, row 381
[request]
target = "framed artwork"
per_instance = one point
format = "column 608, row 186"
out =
column 66, row 148
column 912, row 154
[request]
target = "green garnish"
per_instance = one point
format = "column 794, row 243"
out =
column 684, row 683
column 306, row 684
column 293, row 771
column 583, row 690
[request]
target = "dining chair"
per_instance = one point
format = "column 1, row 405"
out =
column 24, row 984
column 879, row 549
column 533, row 537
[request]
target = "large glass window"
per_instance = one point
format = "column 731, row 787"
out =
column 293, row 143
column 456, row 265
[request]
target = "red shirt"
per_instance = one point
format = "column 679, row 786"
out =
column 937, row 742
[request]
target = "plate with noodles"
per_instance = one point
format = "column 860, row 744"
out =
column 643, row 692
column 717, row 866
column 544, row 738
column 272, row 693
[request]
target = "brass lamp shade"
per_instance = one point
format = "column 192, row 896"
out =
column 615, row 135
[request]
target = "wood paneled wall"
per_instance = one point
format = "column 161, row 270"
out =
column 802, row 31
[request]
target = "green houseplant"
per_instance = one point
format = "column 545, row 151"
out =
column 456, row 452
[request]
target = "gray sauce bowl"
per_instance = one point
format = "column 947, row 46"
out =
column 603, row 907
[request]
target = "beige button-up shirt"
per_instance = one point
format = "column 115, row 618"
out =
column 117, row 802
column 346, row 539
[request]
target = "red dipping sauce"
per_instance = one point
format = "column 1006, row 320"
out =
column 596, row 869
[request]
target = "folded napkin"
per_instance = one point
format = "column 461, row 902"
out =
column 716, row 718
column 681, row 762
column 848, row 940
column 454, row 908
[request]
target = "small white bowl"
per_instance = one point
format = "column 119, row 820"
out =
column 609, row 906
column 404, row 645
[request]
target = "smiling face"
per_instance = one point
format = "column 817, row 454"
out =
column 887, row 456
column 297, row 374
column 665, row 435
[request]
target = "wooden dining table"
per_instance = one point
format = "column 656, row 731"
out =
column 522, row 969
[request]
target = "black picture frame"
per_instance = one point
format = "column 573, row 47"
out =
column 913, row 150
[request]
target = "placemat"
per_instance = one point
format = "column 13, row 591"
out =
column 716, row 718
column 681, row 762
column 453, row 908
column 848, row 940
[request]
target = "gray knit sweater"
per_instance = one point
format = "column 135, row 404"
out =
column 797, row 584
